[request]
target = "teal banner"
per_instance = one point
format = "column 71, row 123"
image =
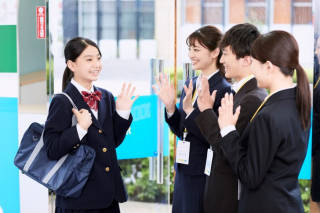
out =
column 305, row 172
column 141, row 139
column 9, row 178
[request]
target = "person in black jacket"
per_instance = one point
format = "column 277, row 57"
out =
column 315, row 183
column 222, row 187
column 268, row 156
column 102, row 124
column 190, row 179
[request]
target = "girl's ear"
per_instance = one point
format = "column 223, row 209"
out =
column 215, row 52
column 71, row 65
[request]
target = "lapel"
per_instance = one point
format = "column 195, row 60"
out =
column 79, row 102
column 102, row 106
column 247, row 87
column 214, row 81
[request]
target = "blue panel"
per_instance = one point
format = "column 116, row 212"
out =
column 305, row 172
column 9, row 178
column 141, row 139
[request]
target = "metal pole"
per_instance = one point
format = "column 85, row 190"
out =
column 160, row 133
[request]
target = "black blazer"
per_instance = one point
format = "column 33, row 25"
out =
column 104, row 135
column 268, row 157
column 198, row 144
column 221, row 193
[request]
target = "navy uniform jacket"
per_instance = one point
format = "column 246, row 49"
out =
column 105, row 134
column 268, row 157
column 221, row 193
column 198, row 144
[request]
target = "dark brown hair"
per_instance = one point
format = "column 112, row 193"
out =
column 72, row 51
column 208, row 37
column 281, row 49
column 240, row 39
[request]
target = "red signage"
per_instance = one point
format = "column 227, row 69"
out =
column 41, row 22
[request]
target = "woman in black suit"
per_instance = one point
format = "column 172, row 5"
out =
column 190, row 178
column 268, row 156
column 102, row 124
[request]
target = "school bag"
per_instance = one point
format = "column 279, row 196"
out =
column 66, row 176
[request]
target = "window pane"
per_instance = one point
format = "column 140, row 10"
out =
column 128, row 20
column 213, row 15
column 213, row 1
column 146, row 21
column 193, row 11
column 257, row 15
column 108, row 19
column 256, row 0
column 303, row 1
column 88, row 16
column 302, row 15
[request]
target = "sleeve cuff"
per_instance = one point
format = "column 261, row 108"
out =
column 226, row 130
column 125, row 114
column 81, row 132
column 169, row 115
column 189, row 113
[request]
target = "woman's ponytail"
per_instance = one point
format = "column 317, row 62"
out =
column 67, row 76
column 303, row 97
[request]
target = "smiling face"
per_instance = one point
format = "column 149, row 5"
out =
column 201, row 57
column 87, row 66
column 231, row 64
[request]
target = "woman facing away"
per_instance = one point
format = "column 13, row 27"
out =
column 102, row 124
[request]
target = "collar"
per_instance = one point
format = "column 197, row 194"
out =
column 238, row 85
column 80, row 88
column 275, row 92
column 198, row 83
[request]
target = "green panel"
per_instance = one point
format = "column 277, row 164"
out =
column 8, row 49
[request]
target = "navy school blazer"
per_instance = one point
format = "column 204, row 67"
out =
column 105, row 134
column 178, row 122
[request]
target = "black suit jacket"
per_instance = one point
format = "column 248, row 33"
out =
column 221, row 194
column 268, row 157
column 107, row 132
column 198, row 144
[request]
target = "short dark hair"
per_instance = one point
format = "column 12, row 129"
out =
column 208, row 37
column 240, row 39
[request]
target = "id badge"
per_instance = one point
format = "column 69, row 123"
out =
column 207, row 169
column 183, row 151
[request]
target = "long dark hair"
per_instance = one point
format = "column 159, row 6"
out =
column 72, row 51
column 281, row 49
column 209, row 37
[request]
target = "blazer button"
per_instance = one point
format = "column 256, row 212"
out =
column 100, row 131
column 107, row 169
column 104, row 149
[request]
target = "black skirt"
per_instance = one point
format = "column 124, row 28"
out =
column 113, row 208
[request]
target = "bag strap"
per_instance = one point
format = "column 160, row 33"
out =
column 70, row 99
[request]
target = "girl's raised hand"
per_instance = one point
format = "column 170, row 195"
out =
column 165, row 92
column 226, row 116
column 187, row 100
column 125, row 100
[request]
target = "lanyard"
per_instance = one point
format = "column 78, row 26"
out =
column 244, row 82
column 261, row 105
column 317, row 83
